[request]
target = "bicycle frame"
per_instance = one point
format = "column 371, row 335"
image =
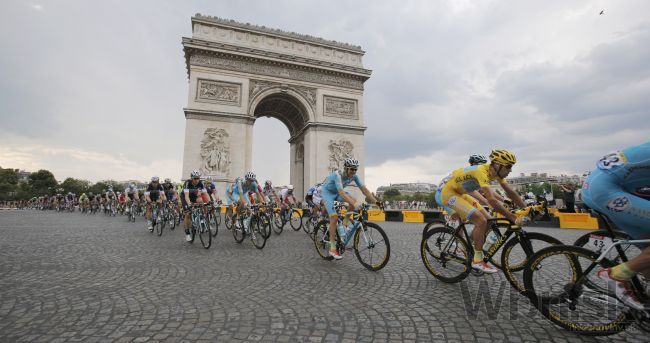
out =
column 502, row 238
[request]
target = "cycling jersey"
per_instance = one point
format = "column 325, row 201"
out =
column 611, row 186
column 313, row 196
column 335, row 182
column 169, row 190
column 285, row 194
column 245, row 187
column 462, row 181
column 154, row 191
column 193, row 190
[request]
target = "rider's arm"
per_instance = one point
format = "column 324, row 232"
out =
column 490, row 196
column 368, row 194
column 512, row 194
column 481, row 199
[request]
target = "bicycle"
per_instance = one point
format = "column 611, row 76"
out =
column 561, row 282
column 448, row 256
column 274, row 216
column 310, row 221
column 368, row 238
column 199, row 225
column 258, row 223
column 157, row 221
column 214, row 218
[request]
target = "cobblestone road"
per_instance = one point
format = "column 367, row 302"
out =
column 72, row 277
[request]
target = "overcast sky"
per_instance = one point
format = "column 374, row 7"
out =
column 95, row 89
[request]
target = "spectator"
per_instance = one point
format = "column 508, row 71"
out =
column 568, row 194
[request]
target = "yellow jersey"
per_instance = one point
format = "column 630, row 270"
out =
column 469, row 179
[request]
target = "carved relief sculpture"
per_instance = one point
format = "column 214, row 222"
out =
column 340, row 107
column 259, row 86
column 339, row 151
column 215, row 152
column 219, row 92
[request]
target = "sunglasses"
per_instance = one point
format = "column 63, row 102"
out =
column 196, row 178
column 353, row 169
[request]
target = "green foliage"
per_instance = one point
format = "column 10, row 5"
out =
column 42, row 182
column 8, row 183
column 391, row 193
column 75, row 186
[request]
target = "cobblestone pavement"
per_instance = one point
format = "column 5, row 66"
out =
column 73, row 277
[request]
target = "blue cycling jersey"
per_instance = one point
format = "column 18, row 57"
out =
column 611, row 186
column 336, row 181
column 244, row 187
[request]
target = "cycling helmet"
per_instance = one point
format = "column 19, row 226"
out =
column 267, row 183
column 132, row 185
column 155, row 179
column 195, row 173
column 250, row 176
column 477, row 159
column 110, row 189
column 351, row 163
column 503, row 157
column 209, row 178
column 290, row 187
column 168, row 180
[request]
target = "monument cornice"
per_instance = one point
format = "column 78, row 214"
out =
column 191, row 113
column 329, row 127
column 277, row 32
column 248, row 64
column 201, row 44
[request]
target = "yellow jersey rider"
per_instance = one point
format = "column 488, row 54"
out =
column 465, row 182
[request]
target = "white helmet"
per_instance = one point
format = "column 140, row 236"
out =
column 154, row 179
column 250, row 176
column 195, row 173
column 351, row 162
column 290, row 187
column 168, row 180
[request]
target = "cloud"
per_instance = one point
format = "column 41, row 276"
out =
column 82, row 164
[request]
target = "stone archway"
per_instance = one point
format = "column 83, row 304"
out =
column 240, row 72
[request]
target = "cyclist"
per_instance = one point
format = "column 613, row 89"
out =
column 475, row 160
column 231, row 196
column 170, row 191
column 240, row 192
column 618, row 188
column 69, row 199
column 269, row 193
column 211, row 187
column 332, row 190
column 154, row 193
column 286, row 197
column 194, row 192
column 132, row 194
column 83, row 201
column 313, row 197
column 455, row 194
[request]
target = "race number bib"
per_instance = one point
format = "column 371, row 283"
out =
column 612, row 160
column 599, row 243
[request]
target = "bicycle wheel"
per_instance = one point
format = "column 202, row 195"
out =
column 238, row 230
column 274, row 223
column 158, row 225
column 230, row 218
column 321, row 238
column 445, row 255
column 265, row 225
column 309, row 222
column 516, row 253
column 296, row 220
column 585, row 308
column 204, row 232
column 212, row 224
column 278, row 221
column 371, row 246
column 596, row 245
column 217, row 215
column 257, row 235
column 172, row 220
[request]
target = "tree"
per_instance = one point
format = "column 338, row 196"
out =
column 391, row 193
column 75, row 186
column 8, row 183
column 42, row 182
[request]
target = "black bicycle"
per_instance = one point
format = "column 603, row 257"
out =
column 447, row 253
column 563, row 284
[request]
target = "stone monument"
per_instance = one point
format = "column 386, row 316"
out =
column 239, row 72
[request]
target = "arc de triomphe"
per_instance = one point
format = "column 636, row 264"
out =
column 239, row 72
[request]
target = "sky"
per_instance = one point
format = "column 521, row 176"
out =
column 96, row 89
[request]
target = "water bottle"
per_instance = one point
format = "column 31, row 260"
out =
column 490, row 240
column 342, row 232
